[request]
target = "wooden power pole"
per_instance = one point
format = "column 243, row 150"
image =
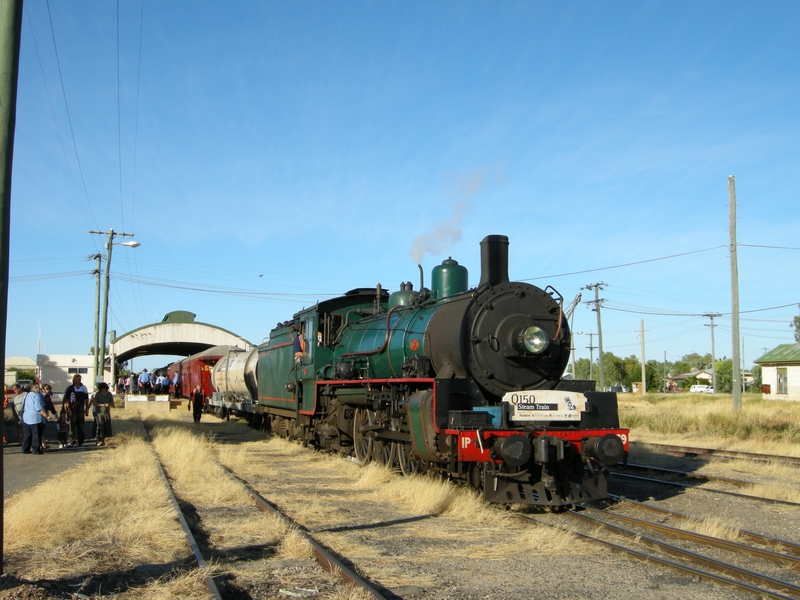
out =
column 737, row 373
column 10, row 32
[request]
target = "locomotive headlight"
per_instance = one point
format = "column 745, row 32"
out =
column 535, row 339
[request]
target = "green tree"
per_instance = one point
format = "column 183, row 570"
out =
column 689, row 382
column 613, row 369
column 25, row 374
column 582, row 368
column 698, row 361
column 633, row 370
column 680, row 367
column 757, row 377
column 654, row 371
column 796, row 325
column 724, row 376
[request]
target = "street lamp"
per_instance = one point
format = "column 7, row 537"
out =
column 572, row 349
column 100, row 347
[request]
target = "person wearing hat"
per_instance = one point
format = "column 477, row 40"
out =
column 103, row 400
column 75, row 398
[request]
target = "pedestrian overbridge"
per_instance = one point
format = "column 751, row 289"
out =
column 177, row 334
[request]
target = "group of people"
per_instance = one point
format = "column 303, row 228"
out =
column 146, row 383
column 31, row 409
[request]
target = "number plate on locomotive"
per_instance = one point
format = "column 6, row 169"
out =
column 545, row 405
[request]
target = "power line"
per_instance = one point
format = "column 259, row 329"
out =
column 119, row 130
column 638, row 262
column 55, row 120
column 772, row 247
column 676, row 314
column 69, row 118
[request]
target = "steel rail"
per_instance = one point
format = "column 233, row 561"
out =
column 737, row 573
column 792, row 562
column 651, row 558
column 688, row 475
column 198, row 556
column 785, row 545
column 706, row 489
column 325, row 558
column 719, row 453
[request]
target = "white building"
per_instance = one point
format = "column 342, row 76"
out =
column 59, row 369
column 17, row 363
column 780, row 373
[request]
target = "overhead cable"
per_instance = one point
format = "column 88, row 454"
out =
column 638, row 262
column 69, row 118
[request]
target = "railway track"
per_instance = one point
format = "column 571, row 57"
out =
column 690, row 451
column 324, row 557
column 783, row 546
column 686, row 557
column 697, row 477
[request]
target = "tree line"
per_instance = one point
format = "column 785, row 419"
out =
column 626, row 371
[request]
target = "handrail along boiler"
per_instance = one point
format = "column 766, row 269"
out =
column 464, row 382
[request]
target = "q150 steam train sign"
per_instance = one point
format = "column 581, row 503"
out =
column 465, row 383
column 545, row 406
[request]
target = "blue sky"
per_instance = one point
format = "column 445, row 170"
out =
column 270, row 154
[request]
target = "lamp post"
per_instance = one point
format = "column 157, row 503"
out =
column 572, row 348
column 100, row 349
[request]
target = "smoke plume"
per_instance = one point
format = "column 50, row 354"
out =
column 448, row 232
column 444, row 234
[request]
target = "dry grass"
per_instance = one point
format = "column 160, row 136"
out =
column 761, row 426
column 190, row 462
column 186, row 585
column 421, row 494
column 772, row 491
column 713, row 526
column 295, row 545
column 111, row 511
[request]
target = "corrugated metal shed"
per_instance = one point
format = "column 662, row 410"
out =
column 783, row 354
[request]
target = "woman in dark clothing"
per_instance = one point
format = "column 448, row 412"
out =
column 47, row 394
column 197, row 403
column 103, row 401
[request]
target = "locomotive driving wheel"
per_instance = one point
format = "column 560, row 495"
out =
column 383, row 452
column 362, row 443
column 408, row 460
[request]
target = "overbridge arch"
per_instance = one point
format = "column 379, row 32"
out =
column 177, row 334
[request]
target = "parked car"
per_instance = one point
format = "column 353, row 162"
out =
column 701, row 389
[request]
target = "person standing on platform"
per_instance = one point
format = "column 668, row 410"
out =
column 103, row 401
column 19, row 398
column 75, row 398
column 176, row 385
column 34, row 416
column 197, row 402
column 144, row 382
column 47, row 396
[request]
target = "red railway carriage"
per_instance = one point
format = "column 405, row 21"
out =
column 197, row 369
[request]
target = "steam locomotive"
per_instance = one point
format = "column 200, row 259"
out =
column 464, row 383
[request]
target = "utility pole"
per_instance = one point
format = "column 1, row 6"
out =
column 109, row 245
column 597, row 303
column 98, row 272
column 10, row 34
column 744, row 383
column 591, row 355
column 737, row 374
column 644, row 375
column 572, row 335
column 665, row 371
column 712, row 316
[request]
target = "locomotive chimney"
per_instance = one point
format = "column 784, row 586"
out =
column 494, row 260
